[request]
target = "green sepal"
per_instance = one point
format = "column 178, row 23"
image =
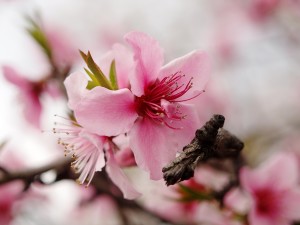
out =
column 113, row 75
column 191, row 194
column 39, row 36
column 95, row 73
column 91, row 83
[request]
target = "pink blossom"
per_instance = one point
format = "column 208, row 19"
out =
column 101, row 211
column 262, row 9
column 124, row 63
column 125, row 157
column 209, row 213
column 10, row 193
column 152, row 112
column 164, row 201
column 61, row 47
column 274, row 191
column 29, row 94
column 185, row 200
column 89, row 151
column 238, row 201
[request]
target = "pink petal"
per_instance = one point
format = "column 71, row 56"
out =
column 258, row 219
column 291, row 204
column 10, row 194
column 272, row 173
column 194, row 65
column 238, row 201
column 276, row 169
column 75, row 85
column 211, row 178
column 106, row 112
column 186, row 127
column 124, row 64
column 248, row 180
column 149, row 59
column 15, row 78
column 32, row 108
column 30, row 99
column 150, row 143
column 209, row 213
column 125, row 157
column 119, row 178
column 52, row 88
column 62, row 47
column 98, row 142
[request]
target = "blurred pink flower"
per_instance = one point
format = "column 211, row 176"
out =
column 164, row 201
column 184, row 199
column 263, row 9
column 210, row 213
column 64, row 53
column 273, row 190
column 29, row 94
column 100, row 211
column 238, row 201
column 89, row 152
column 152, row 111
column 10, row 193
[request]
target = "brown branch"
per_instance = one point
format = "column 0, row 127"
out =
column 104, row 185
column 210, row 142
column 28, row 175
column 101, row 182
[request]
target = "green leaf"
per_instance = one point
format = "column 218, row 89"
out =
column 193, row 194
column 93, row 77
column 39, row 36
column 83, row 56
column 95, row 72
column 113, row 75
column 91, row 85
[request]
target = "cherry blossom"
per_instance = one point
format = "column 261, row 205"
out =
column 10, row 194
column 273, row 190
column 29, row 94
column 154, row 111
column 89, row 152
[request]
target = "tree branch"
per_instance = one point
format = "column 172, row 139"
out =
column 28, row 175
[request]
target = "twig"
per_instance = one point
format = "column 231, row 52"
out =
column 30, row 174
column 211, row 141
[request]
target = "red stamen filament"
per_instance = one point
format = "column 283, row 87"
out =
column 149, row 104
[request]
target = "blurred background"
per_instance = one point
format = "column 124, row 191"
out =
column 254, row 47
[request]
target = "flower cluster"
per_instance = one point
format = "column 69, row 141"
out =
column 269, row 194
column 140, row 99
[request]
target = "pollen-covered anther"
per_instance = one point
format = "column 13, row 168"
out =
column 78, row 181
column 170, row 89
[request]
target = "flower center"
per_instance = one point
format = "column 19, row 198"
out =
column 84, row 153
column 266, row 202
column 150, row 104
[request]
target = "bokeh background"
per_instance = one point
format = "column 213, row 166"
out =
column 254, row 47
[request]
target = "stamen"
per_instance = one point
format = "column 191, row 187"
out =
column 170, row 89
column 84, row 153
